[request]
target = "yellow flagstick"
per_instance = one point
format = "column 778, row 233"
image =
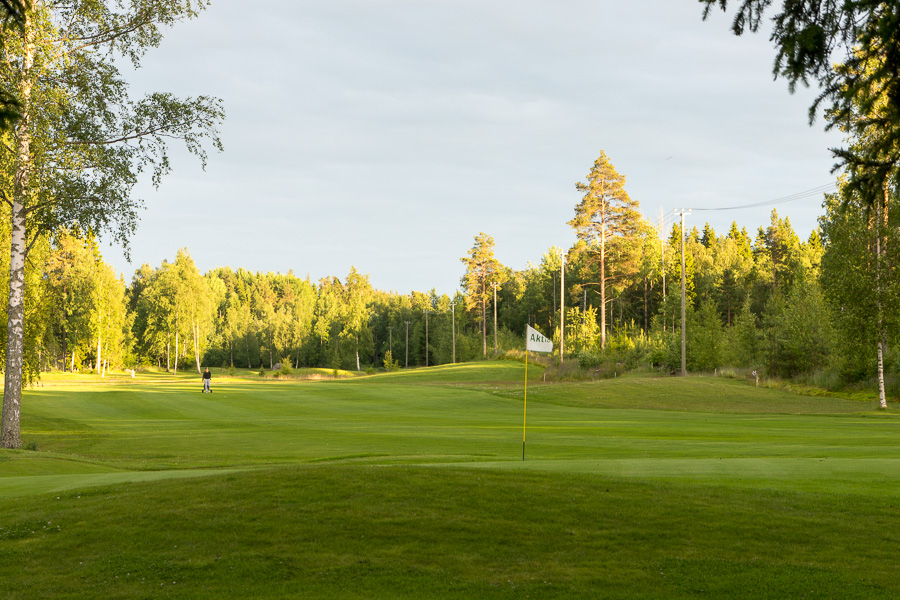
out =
column 525, row 414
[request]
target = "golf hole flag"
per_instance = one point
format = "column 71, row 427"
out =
column 534, row 342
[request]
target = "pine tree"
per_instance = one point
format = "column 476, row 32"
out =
column 605, row 211
column 482, row 269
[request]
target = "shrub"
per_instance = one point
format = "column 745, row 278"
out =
column 285, row 367
column 389, row 363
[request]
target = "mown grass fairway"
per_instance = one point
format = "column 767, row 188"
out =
column 412, row 485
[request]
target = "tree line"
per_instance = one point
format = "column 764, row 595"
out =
column 767, row 301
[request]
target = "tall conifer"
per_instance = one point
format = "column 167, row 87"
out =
column 605, row 211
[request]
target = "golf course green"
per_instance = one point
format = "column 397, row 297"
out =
column 412, row 485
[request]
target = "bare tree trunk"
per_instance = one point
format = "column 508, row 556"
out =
column 483, row 327
column 99, row 326
column 603, row 289
column 176, row 348
column 99, row 342
column 64, row 348
column 15, row 338
column 882, row 334
column 10, row 436
column 646, row 313
column 74, row 341
column 195, row 329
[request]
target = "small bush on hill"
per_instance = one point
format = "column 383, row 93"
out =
column 389, row 363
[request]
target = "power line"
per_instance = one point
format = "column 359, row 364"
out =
column 798, row 196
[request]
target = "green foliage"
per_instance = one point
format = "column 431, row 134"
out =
column 607, row 222
column 390, row 364
column 482, row 270
column 704, row 338
column 285, row 366
column 797, row 336
column 335, row 363
column 861, row 93
column 745, row 341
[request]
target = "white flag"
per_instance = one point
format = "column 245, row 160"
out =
column 536, row 342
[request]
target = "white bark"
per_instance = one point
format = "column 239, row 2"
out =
column 882, row 335
column 99, row 342
column 15, row 338
column 881, row 395
column 195, row 330
column 72, row 368
column 15, row 333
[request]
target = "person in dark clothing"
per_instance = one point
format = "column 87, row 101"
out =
column 206, row 377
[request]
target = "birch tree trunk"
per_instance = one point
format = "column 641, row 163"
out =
column 195, row 330
column 15, row 330
column 882, row 334
column 74, row 340
column 15, row 337
column 99, row 340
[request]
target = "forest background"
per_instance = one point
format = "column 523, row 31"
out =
column 768, row 302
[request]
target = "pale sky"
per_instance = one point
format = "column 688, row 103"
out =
column 385, row 134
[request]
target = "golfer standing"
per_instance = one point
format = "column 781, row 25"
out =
column 206, row 377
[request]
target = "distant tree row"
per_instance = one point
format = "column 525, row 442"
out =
column 826, row 306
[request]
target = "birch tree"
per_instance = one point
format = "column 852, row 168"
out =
column 192, row 304
column 76, row 152
column 861, row 250
column 12, row 16
column 110, row 308
column 70, row 282
column 357, row 308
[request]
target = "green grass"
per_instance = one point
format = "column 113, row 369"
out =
column 411, row 485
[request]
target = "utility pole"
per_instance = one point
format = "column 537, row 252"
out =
column 562, row 305
column 683, row 300
column 406, row 363
column 426, row 337
column 494, row 285
column 453, row 328
column 662, row 247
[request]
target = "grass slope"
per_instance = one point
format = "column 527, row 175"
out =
column 633, row 488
